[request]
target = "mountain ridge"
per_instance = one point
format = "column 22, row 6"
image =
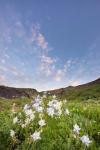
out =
column 12, row 92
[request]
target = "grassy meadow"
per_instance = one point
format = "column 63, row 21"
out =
column 57, row 133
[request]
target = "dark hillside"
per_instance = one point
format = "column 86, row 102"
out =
column 10, row 92
column 86, row 91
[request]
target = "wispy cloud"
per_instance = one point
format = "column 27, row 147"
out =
column 47, row 65
column 41, row 41
column 26, row 59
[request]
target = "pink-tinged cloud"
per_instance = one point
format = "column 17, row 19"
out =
column 2, row 78
column 13, row 70
column 3, row 68
column 41, row 41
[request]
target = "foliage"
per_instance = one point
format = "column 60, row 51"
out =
column 57, row 133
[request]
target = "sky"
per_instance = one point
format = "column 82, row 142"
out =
column 49, row 44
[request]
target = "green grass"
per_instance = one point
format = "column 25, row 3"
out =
column 58, row 133
column 6, row 104
column 84, row 93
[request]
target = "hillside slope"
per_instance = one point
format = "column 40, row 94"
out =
column 10, row 92
column 86, row 91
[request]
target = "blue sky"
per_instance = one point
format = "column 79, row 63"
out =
column 46, row 44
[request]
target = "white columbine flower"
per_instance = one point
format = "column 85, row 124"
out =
column 85, row 140
column 39, row 109
column 12, row 133
column 32, row 116
column 15, row 120
column 28, row 112
column 35, row 105
column 26, row 107
column 23, row 125
column 76, row 129
column 57, row 105
column 36, row 136
column 67, row 112
column 42, row 123
column 54, row 108
column 50, row 111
